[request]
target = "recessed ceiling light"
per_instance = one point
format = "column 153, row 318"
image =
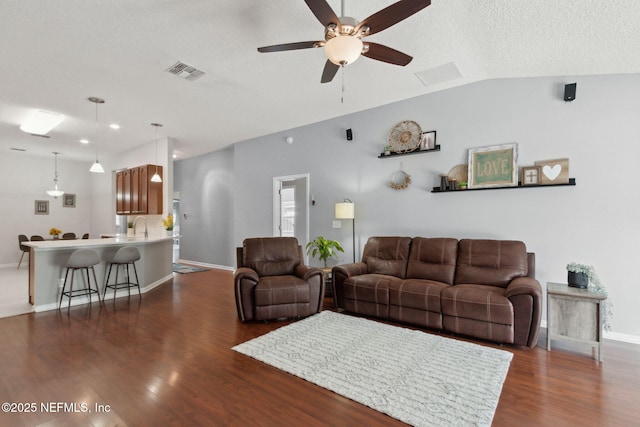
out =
column 41, row 122
column 84, row 141
column 114, row 126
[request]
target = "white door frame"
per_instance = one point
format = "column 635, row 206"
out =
column 277, row 185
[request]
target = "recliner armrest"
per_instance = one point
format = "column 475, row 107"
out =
column 305, row 272
column 246, row 273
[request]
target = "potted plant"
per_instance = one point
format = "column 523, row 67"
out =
column 387, row 150
column 323, row 248
column 55, row 232
column 168, row 224
column 130, row 228
column 584, row 276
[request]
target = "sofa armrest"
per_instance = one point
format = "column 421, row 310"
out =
column 244, row 280
column 315, row 278
column 348, row 270
column 339, row 274
column 525, row 294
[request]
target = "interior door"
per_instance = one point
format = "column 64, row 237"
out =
column 291, row 207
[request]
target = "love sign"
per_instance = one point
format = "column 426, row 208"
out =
column 554, row 171
column 494, row 166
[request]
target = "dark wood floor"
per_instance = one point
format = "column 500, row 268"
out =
column 167, row 361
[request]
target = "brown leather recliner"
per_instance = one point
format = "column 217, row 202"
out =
column 272, row 282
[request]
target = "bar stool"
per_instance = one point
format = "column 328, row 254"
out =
column 81, row 259
column 125, row 256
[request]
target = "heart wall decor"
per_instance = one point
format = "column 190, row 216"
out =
column 554, row 171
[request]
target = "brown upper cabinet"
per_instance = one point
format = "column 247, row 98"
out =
column 136, row 194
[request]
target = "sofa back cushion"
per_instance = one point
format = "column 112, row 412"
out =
column 433, row 259
column 490, row 262
column 387, row 255
column 271, row 256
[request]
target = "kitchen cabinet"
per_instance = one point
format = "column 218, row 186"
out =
column 136, row 194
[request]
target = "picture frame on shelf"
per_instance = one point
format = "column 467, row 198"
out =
column 493, row 166
column 531, row 175
column 42, row 207
column 68, row 200
column 428, row 140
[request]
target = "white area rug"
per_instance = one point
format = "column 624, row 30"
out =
column 418, row 378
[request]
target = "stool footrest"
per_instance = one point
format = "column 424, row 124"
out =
column 80, row 292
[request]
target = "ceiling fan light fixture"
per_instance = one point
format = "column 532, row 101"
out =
column 343, row 50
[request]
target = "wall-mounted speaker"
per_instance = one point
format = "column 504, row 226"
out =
column 349, row 135
column 570, row 92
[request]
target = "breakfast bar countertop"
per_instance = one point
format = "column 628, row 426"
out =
column 92, row 243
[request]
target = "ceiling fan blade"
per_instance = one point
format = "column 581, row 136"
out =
column 391, row 15
column 323, row 12
column 290, row 46
column 329, row 72
column 386, row 54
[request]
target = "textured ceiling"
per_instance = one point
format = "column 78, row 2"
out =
column 57, row 54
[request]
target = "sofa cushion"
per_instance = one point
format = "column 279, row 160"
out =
column 274, row 290
column 433, row 259
column 387, row 255
column 477, row 302
column 369, row 287
column 417, row 293
column 271, row 256
column 490, row 262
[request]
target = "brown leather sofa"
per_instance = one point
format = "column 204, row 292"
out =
column 271, row 281
column 481, row 288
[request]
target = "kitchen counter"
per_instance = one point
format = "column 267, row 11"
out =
column 47, row 260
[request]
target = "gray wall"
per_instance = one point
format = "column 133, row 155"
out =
column 206, row 190
column 595, row 222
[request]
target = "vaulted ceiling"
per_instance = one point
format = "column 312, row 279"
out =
column 55, row 55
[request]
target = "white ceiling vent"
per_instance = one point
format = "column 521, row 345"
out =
column 185, row 71
column 441, row 74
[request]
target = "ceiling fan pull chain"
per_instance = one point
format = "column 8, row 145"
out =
column 342, row 95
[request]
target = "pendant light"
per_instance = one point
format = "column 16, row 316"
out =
column 55, row 193
column 156, row 177
column 96, row 167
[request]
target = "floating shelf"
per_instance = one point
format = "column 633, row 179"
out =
column 382, row 156
column 572, row 181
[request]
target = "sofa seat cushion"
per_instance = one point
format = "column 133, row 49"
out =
column 416, row 301
column 417, row 293
column 477, row 302
column 274, row 290
column 368, row 294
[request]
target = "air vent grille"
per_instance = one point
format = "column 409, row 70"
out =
column 185, row 71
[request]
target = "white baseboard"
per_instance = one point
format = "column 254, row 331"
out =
column 204, row 264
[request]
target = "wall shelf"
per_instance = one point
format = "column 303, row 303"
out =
column 382, row 156
column 572, row 182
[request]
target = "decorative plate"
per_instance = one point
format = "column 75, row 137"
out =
column 405, row 137
column 460, row 173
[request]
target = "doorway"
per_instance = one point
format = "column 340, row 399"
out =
column 291, row 207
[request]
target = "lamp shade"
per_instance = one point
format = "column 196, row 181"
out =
column 343, row 50
column 345, row 210
column 96, row 167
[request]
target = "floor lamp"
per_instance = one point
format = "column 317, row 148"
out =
column 345, row 210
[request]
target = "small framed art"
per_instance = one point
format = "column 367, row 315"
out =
column 69, row 200
column 42, row 207
column 428, row 140
column 531, row 175
column 494, row 166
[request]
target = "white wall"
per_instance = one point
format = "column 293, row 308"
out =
column 26, row 179
column 595, row 222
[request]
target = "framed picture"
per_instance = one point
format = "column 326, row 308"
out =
column 42, row 207
column 531, row 175
column 69, row 200
column 428, row 140
column 494, row 166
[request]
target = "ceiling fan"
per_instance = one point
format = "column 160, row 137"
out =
column 343, row 36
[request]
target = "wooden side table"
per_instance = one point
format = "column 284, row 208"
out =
column 328, row 284
column 574, row 315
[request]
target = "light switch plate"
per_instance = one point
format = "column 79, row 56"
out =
column 337, row 224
